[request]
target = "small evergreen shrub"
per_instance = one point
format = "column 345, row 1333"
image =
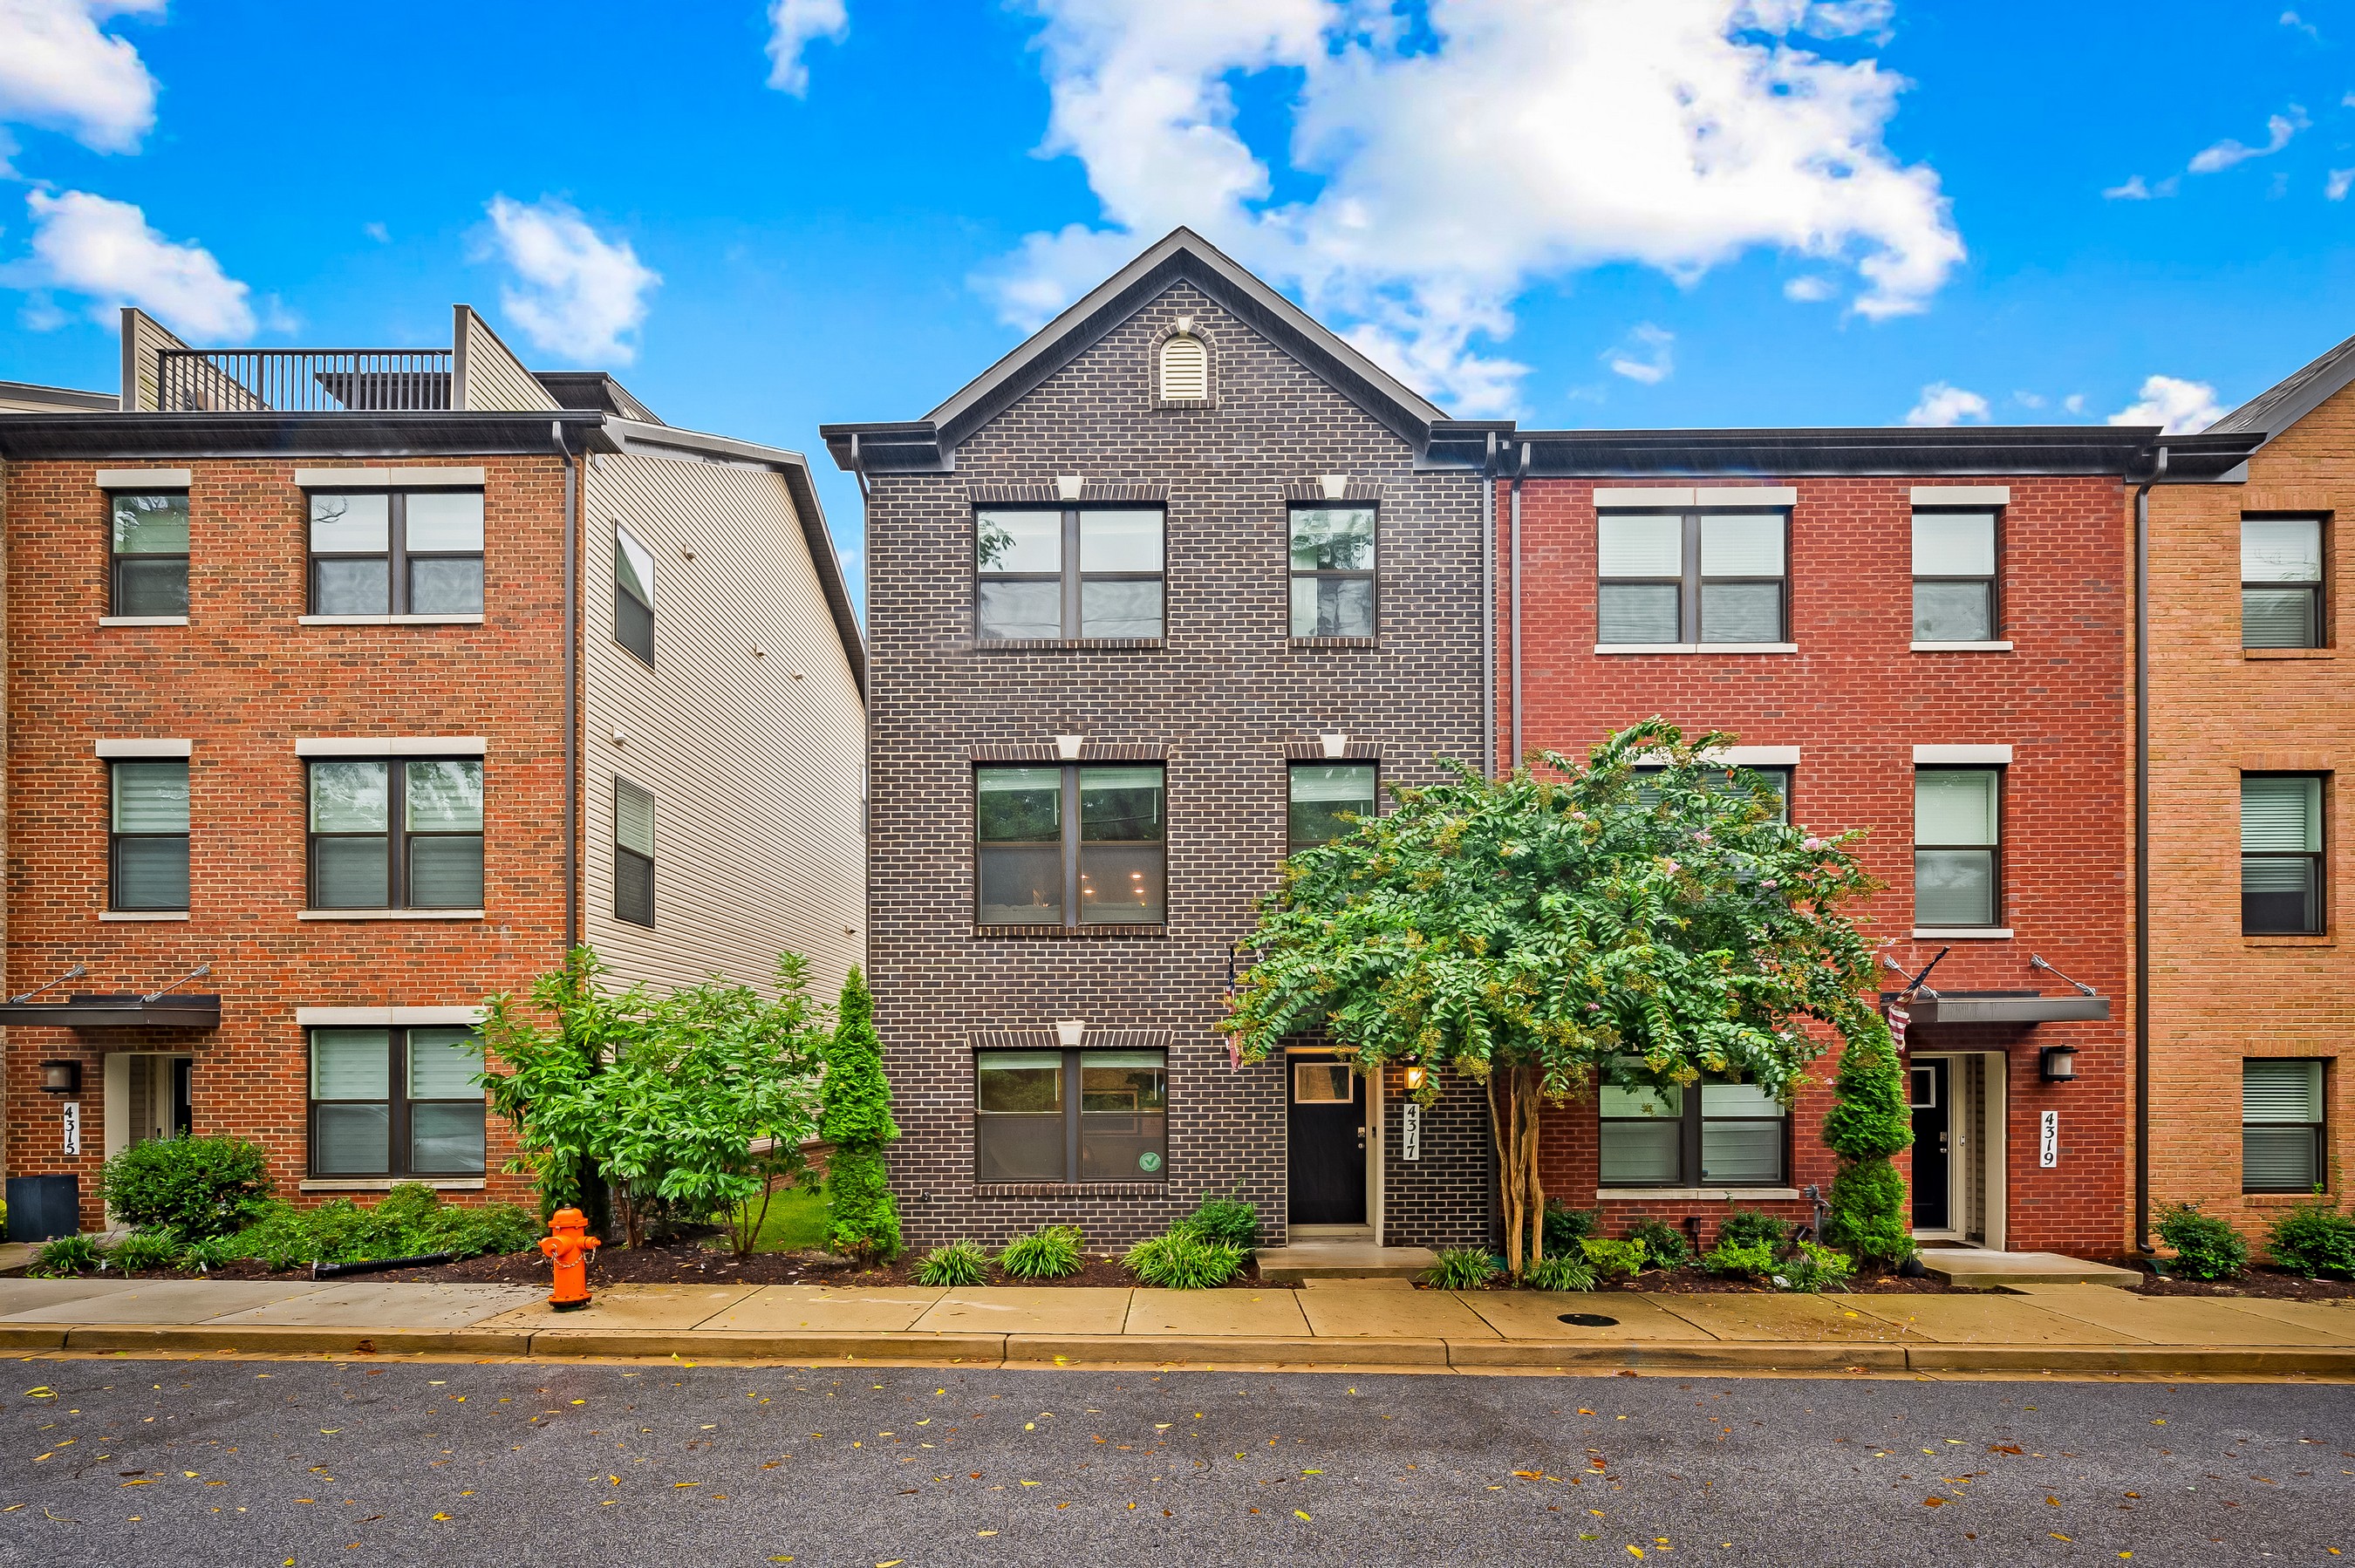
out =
column 1663, row 1243
column 1184, row 1261
column 1614, row 1260
column 1753, row 1228
column 1565, row 1227
column 1230, row 1222
column 959, row 1263
column 144, row 1250
column 1871, row 1119
column 193, row 1187
column 1559, row 1271
column 857, row 1120
column 2314, row 1240
column 66, row 1257
column 2205, row 1247
column 1814, row 1269
column 1462, row 1268
column 1050, row 1252
column 1739, row 1260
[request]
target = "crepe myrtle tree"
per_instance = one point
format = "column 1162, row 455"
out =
column 1570, row 924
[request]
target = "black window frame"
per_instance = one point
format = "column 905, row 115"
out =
column 1292, row 842
column 1786, row 771
column 1995, row 852
column 116, row 836
column 396, row 555
column 2318, row 860
column 117, row 558
column 1070, row 575
column 1690, row 582
column 2318, row 1128
column 634, row 872
column 633, row 614
column 399, row 1166
column 1072, row 846
column 398, row 834
column 1993, row 580
column 2317, row 600
column 1690, row 1121
column 1073, row 1114
column 1369, row 574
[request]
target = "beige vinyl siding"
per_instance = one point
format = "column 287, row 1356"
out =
column 142, row 337
column 485, row 375
column 756, row 776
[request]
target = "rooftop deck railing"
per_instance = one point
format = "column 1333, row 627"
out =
column 302, row 380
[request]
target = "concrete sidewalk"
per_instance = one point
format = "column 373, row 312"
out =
column 1337, row 1323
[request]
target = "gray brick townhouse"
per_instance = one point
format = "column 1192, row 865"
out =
column 1164, row 593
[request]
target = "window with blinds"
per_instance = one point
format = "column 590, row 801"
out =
column 633, row 596
column 633, row 853
column 1957, row 847
column 1954, row 577
column 2281, row 582
column 2281, row 853
column 2280, row 1126
column 1665, row 578
column 148, row 837
column 1184, row 370
column 396, row 1102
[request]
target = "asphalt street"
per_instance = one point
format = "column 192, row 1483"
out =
column 119, row 1461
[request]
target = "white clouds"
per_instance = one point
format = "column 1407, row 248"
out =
column 2279, row 129
column 1538, row 136
column 793, row 25
column 103, row 249
column 1943, row 405
column 2292, row 20
column 1645, row 356
column 2178, row 407
column 575, row 294
column 2136, row 190
column 58, row 70
column 2074, row 402
column 2335, row 187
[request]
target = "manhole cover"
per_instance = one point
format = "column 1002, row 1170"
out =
column 1590, row 1319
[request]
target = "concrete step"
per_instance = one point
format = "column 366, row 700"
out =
column 1341, row 1260
column 1971, row 1268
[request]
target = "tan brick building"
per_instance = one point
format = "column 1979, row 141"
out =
column 2251, row 723
column 345, row 689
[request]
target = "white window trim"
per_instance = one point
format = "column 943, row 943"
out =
column 1701, row 1194
column 1962, row 934
column 142, row 620
column 1733, row 756
column 142, row 478
column 1704, row 498
column 1962, row 495
column 392, row 746
column 1696, row 647
column 144, row 747
column 420, row 478
column 1962, row 647
column 135, row 916
column 1985, row 756
column 332, row 1018
column 390, row 914
column 385, row 621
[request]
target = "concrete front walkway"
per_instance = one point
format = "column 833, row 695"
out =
column 1334, row 1323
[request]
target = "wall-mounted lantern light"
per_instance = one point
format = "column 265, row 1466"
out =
column 1415, row 1078
column 2057, row 1063
column 60, row 1077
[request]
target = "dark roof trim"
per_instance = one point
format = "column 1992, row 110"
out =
column 1992, row 451
column 593, row 390
column 1182, row 254
column 888, row 446
column 127, row 1009
column 436, row 432
column 2285, row 403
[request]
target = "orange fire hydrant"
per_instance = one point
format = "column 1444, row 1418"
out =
column 568, row 1246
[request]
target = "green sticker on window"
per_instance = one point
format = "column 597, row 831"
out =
column 1148, row 1160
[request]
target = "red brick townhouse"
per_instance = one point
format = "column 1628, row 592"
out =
column 347, row 688
column 1923, row 634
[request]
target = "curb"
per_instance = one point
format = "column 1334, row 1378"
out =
column 1137, row 1350
column 285, row 1339
column 755, row 1344
column 1701, row 1355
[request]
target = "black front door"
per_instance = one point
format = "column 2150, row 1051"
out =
column 1328, row 1125
column 1931, row 1200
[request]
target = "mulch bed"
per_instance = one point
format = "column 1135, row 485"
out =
column 2270, row 1283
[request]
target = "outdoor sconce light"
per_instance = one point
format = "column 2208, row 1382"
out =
column 60, row 1077
column 1415, row 1078
column 2057, row 1063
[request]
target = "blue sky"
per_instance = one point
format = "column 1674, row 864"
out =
column 765, row 214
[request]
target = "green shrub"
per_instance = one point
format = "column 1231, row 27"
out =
column 212, row 1253
column 1814, row 1268
column 857, row 1120
column 2314, row 1240
column 1565, row 1227
column 410, row 1222
column 1614, row 1260
column 2205, row 1247
column 1870, row 1212
column 193, row 1187
column 1184, row 1261
column 144, row 1250
column 474, row 1230
column 1739, row 1259
column 959, row 1263
column 1229, row 1221
column 1871, row 1118
column 1462, row 1268
column 66, row 1257
column 1050, row 1252
column 1753, row 1228
column 1559, row 1271
column 1663, row 1243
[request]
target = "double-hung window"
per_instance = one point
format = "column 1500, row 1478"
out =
column 397, row 552
column 1071, row 846
column 2281, row 853
column 1729, row 782
column 2281, row 1124
column 2281, row 582
column 1686, row 578
column 1333, row 571
column 395, row 832
column 1328, row 800
column 396, row 1102
column 633, row 853
column 148, row 842
column 633, row 596
column 1957, row 847
column 1954, row 577
column 1717, row 1134
column 1090, row 573
column 1070, row 1115
column 148, row 555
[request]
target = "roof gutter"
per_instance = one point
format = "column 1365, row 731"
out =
column 2142, row 853
column 571, row 689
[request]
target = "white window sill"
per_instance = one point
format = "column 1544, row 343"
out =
column 388, row 620
column 1701, row 1194
column 143, row 914
column 386, row 1183
column 1962, row 647
column 142, row 620
column 389, row 914
column 1962, row 934
column 1696, row 647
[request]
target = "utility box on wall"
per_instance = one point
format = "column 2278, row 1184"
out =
column 42, row 1208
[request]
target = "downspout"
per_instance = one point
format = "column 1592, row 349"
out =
column 2142, row 854
column 1523, row 468
column 571, row 690
column 1489, row 608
